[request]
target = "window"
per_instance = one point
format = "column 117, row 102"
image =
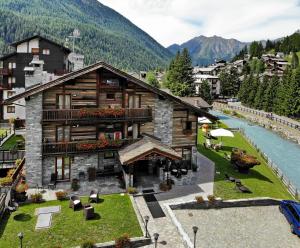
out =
column 109, row 155
column 62, row 168
column 46, row 51
column 10, row 93
column 110, row 96
column 63, row 101
column 12, row 65
column 188, row 125
column 63, row 133
column 112, row 82
column 10, row 109
column 11, row 80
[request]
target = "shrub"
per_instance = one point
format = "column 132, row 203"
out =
column 132, row 190
column 6, row 181
column 211, row 198
column 123, row 241
column 10, row 172
column 88, row 244
column 199, row 199
column 18, row 161
column 75, row 184
column 21, row 188
column 164, row 186
column 61, row 195
column 36, row 198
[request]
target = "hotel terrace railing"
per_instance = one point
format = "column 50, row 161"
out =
column 85, row 146
column 94, row 114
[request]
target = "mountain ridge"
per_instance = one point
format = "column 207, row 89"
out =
column 105, row 34
column 205, row 50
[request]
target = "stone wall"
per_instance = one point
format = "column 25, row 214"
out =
column 163, row 120
column 78, row 163
column 33, row 140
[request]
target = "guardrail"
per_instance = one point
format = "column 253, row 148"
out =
column 283, row 178
column 262, row 114
column 5, row 134
column 8, row 156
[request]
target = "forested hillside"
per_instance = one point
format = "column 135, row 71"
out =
column 105, row 34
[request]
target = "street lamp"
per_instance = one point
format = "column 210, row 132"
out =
column 21, row 236
column 156, row 235
column 146, row 225
column 195, row 229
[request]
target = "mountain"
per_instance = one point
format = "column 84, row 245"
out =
column 105, row 34
column 205, row 50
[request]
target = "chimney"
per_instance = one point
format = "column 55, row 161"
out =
column 76, row 61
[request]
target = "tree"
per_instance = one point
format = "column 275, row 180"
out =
column 295, row 94
column 229, row 82
column 256, row 49
column 252, row 92
column 258, row 100
column 180, row 79
column 152, row 80
column 295, row 60
column 245, row 88
column 270, row 94
column 205, row 92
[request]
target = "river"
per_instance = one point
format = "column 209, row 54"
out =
column 285, row 154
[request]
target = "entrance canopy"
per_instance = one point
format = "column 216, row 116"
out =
column 145, row 148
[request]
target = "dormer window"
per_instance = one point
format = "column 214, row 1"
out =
column 46, row 51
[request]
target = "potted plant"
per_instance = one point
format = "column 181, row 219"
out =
column 200, row 199
column 21, row 192
column 61, row 195
column 36, row 198
column 75, row 184
column 123, row 241
column 132, row 190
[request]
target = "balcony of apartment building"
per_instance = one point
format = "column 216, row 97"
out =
column 86, row 146
column 97, row 115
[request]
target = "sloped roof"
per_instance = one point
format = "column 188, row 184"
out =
column 8, row 55
column 72, row 75
column 145, row 147
column 196, row 101
column 15, row 44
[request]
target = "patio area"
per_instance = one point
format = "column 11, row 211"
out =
column 114, row 216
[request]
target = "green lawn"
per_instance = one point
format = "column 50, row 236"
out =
column 11, row 142
column 2, row 131
column 260, row 180
column 115, row 216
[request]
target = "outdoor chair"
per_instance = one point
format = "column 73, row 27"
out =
column 230, row 178
column 94, row 196
column 227, row 156
column 88, row 212
column 75, row 203
column 242, row 188
column 52, row 184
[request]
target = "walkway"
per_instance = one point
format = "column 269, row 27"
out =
column 283, row 125
column 168, row 234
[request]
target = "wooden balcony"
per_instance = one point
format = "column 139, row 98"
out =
column 93, row 115
column 78, row 147
column 5, row 71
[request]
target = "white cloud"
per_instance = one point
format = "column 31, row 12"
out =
column 176, row 21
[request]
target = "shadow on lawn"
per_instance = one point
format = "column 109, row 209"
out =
column 22, row 217
column 3, row 223
column 224, row 166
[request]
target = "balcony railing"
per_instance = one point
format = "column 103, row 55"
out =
column 85, row 146
column 5, row 71
column 91, row 114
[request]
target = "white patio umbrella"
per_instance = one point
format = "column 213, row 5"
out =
column 204, row 120
column 221, row 132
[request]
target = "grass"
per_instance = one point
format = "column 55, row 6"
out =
column 260, row 180
column 289, row 57
column 115, row 216
column 2, row 131
column 11, row 142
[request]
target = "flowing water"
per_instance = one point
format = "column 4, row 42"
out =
column 285, row 154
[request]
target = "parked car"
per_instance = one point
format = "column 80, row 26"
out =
column 291, row 210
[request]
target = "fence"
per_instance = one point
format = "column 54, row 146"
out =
column 284, row 179
column 262, row 114
column 5, row 134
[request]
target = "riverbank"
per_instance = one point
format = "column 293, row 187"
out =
column 281, row 129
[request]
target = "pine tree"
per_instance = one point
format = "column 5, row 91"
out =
column 270, row 94
column 259, row 97
column 252, row 92
column 295, row 94
column 295, row 60
column 205, row 92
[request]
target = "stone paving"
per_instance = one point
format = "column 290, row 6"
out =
column 247, row 227
column 169, row 236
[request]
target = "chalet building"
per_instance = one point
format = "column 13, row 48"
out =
column 101, row 117
column 13, row 67
column 275, row 65
column 213, row 81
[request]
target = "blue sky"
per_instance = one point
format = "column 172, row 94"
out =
column 176, row 21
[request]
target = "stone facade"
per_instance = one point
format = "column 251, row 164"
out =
column 33, row 140
column 79, row 163
column 163, row 120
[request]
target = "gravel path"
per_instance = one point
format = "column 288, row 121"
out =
column 247, row 227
